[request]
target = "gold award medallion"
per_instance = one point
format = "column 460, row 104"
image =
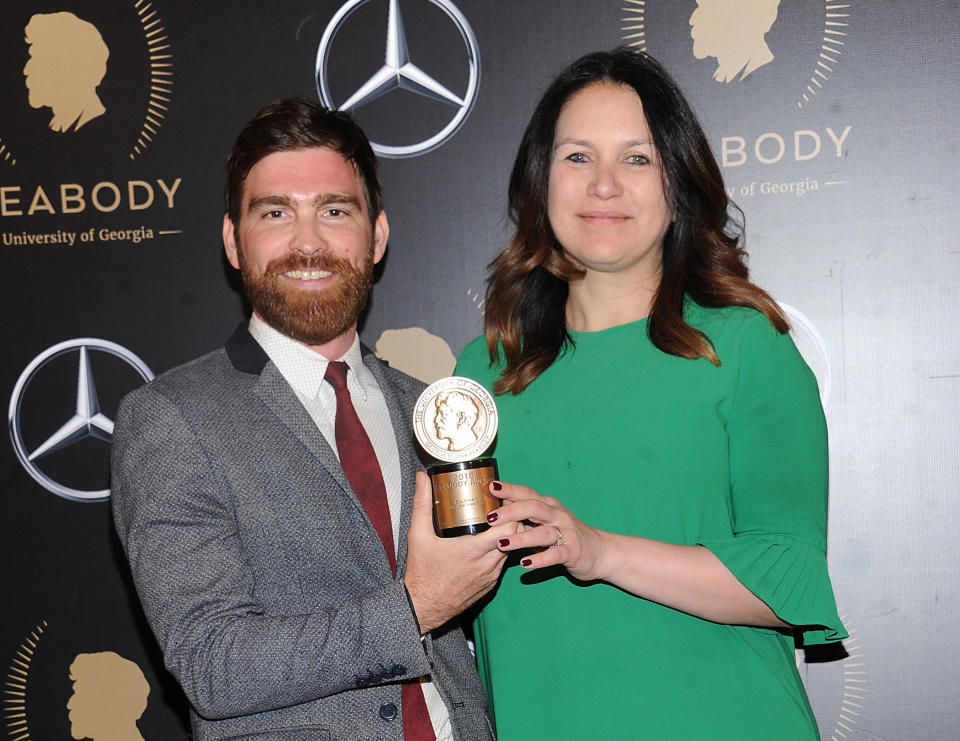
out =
column 455, row 419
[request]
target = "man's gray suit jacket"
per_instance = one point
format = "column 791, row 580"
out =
column 262, row 577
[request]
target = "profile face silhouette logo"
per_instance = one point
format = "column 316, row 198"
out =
column 68, row 61
column 109, row 696
column 456, row 416
column 734, row 34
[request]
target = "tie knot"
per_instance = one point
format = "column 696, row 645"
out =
column 336, row 375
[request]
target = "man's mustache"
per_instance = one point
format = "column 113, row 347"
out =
column 319, row 261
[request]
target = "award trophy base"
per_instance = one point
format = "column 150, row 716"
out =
column 461, row 496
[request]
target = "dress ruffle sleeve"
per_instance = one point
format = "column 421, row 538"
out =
column 777, row 437
column 790, row 575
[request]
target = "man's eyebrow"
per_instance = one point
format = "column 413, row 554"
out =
column 270, row 199
column 326, row 199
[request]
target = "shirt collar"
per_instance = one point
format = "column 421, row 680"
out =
column 303, row 368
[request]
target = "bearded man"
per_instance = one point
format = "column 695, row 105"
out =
column 268, row 494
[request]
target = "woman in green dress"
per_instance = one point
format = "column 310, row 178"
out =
column 666, row 436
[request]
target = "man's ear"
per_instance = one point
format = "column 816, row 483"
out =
column 230, row 241
column 381, row 232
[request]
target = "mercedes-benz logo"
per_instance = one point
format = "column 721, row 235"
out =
column 399, row 72
column 86, row 421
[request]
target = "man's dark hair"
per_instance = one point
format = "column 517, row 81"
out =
column 295, row 123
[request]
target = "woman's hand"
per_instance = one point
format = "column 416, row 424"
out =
column 549, row 528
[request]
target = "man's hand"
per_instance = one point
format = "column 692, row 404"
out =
column 444, row 576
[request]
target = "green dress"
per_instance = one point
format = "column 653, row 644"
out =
column 636, row 441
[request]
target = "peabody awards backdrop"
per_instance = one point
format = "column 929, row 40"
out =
column 834, row 123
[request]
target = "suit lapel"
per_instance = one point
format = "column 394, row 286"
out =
column 274, row 391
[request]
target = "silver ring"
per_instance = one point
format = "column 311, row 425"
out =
column 559, row 537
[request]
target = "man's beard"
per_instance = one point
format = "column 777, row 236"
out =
column 309, row 316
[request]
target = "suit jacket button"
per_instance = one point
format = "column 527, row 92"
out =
column 388, row 711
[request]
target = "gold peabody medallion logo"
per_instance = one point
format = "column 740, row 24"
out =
column 87, row 88
column 108, row 694
column 760, row 63
column 735, row 36
column 69, row 61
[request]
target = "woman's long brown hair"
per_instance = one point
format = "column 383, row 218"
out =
column 526, row 297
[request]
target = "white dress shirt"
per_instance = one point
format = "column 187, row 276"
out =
column 304, row 370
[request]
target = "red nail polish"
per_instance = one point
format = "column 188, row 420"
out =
column 526, row 562
column 493, row 517
column 504, row 542
column 497, row 486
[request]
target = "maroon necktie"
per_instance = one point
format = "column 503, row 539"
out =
column 359, row 463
